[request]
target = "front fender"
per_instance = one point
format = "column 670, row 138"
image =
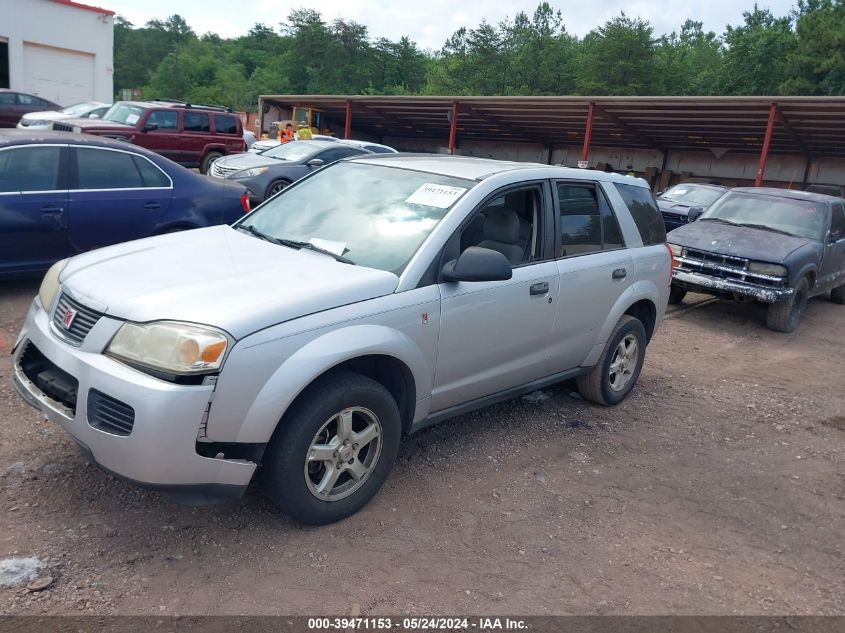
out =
column 313, row 359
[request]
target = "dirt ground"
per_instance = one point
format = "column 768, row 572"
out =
column 717, row 488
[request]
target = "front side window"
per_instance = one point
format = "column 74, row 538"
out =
column 33, row 168
column 105, row 169
column 644, row 210
column 373, row 215
column 225, row 124
column 509, row 224
column 163, row 120
column 195, row 122
column 793, row 216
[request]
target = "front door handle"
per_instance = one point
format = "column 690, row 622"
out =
column 52, row 209
column 540, row 288
column 619, row 273
column 152, row 205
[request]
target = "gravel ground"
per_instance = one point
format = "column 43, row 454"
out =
column 716, row 488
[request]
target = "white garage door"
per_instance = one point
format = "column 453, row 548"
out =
column 58, row 74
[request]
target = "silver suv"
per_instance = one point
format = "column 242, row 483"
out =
column 370, row 299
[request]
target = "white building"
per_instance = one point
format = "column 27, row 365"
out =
column 60, row 50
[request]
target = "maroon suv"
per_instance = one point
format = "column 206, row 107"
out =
column 192, row 135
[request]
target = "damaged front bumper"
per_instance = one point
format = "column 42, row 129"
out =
column 697, row 282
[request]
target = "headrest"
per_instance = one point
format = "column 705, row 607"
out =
column 501, row 225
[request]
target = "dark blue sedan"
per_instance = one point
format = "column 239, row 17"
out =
column 62, row 194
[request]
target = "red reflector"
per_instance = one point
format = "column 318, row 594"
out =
column 245, row 202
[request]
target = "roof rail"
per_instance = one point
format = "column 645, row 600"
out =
column 199, row 106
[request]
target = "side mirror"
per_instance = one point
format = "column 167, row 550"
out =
column 316, row 162
column 695, row 213
column 149, row 127
column 94, row 116
column 478, row 264
column 832, row 238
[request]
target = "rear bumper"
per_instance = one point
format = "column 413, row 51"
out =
column 160, row 451
column 714, row 285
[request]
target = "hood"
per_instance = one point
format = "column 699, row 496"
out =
column 99, row 124
column 248, row 160
column 739, row 241
column 47, row 115
column 217, row 276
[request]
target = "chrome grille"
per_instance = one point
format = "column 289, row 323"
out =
column 724, row 267
column 109, row 414
column 221, row 171
column 62, row 127
column 80, row 325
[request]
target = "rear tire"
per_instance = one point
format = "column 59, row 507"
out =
column 837, row 295
column 676, row 295
column 785, row 316
column 206, row 162
column 312, row 473
column 615, row 374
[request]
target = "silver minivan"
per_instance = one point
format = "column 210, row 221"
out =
column 370, row 299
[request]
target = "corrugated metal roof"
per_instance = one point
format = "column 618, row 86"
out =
column 804, row 125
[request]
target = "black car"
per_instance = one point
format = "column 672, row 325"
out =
column 775, row 246
column 62, row 194
column 676, row 202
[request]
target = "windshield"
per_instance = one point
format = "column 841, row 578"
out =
column 294, row 151
column 125, row 113
column 801, row 218
column 78, row 109
column 375, row 216
column 703, row 196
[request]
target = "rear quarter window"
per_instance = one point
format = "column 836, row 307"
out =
column 644, row 210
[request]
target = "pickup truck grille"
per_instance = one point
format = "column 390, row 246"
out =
column 83, row 320
column 62, row 127
column 109, row 414
column 221, row 171
column 724, row 267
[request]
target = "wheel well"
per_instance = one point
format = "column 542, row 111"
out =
column 811, row 278
column 392, row 373
column 645, row 311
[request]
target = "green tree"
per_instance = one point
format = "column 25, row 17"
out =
column 688, row 63
column 817, row 62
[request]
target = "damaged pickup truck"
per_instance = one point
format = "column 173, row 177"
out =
column 775, row 246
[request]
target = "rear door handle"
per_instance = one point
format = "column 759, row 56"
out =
column 619, row 273
column 540, row 288
column 152, row 205
column 52, row 209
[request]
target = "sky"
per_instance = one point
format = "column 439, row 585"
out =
column 430, row 22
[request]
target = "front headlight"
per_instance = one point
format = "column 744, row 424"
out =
column 762, row 268
column 250, row 173
column 677, row 251
column 171, row 347
column 50, row 284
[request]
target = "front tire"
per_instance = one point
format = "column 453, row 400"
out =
column 615, row 374
column 676, row 295
column 785, row 315
column 333, row 449
column 277, row 186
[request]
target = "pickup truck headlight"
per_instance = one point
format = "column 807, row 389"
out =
column 249, row 173
column 50, row 284
column 763, row 268
column 171, row 347
column 677, row 251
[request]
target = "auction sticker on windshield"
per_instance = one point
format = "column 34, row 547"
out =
column 132, row 119
column 434, row 195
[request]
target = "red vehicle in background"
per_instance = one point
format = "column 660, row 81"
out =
column 192, row 135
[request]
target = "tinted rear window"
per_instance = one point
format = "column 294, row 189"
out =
column 644, row 210
column 225, row 124
column 195, row 122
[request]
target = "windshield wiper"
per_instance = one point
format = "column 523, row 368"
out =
column 765, row 228
column 717, row 220
column 316, row 249
column 259, row 234
column 293, row 243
